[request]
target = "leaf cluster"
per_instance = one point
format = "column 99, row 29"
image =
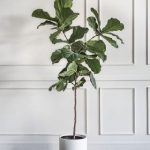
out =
column 83, row 58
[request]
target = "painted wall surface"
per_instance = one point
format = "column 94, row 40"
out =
column 116, row 116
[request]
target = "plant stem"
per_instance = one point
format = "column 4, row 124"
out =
column 66, row 37
column 75, row 108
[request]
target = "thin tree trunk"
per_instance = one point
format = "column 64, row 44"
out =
column 75, row 110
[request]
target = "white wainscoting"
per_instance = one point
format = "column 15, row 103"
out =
column 115, row 116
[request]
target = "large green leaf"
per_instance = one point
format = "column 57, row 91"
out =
column 56, row 56
column 78, row 47
column 116, row 36
column 59, row 4
column 47, row 22
column 113, row 25
column 78, row 33
column 71, row 69
column 96, row 46
column 61, row 85
column 70, row 55
column 40, row 13
column 94, row 64
column 66, row 17
column 93, row 24
column 65, row 53
column 111, row 41
column 83, row 71
column 93, row 81
column 94, row 11
column 53, row 37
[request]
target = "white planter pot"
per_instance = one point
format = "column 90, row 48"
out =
column 68, row 143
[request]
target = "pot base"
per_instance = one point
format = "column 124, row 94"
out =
column 67, row 142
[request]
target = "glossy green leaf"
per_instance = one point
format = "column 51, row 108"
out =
column 78, row 47
column 113, row 25
column 71, row 69
column 66, row 18
column 96, row 46
column 94, row 11
column 40, row 13
column 111, row 41
column 94, row 65
column 53, row 37
column 59, row 4
column 56, row 56
column 93, row 24
column 116, row 36
column 93, row 81
column 70, row 55
column 61, row 85
column 83, row 71
column 78, row 33
column 47, row 22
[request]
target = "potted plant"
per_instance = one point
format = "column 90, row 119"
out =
column 83, row 59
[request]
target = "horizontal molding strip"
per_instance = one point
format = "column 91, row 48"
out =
column 50, row 73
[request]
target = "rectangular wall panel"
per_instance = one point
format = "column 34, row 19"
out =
column 38, row 111
column 148, row 30
column 122, row 10
column 116, row 111
column 148, row 111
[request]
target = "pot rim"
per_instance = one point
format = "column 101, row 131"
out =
column 83, row 137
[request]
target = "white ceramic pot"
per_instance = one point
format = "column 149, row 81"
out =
column 68, row 143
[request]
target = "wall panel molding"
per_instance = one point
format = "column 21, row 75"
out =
column 107, row 127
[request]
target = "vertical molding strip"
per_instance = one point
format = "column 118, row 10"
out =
column 147, row 36
column 147, row 111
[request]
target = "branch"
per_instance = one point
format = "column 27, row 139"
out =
column 65, row 36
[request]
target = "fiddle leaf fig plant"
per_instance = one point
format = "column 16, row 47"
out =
column 83, row 58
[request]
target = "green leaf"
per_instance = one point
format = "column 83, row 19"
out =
column 93, row 81
column 94, row 64
column 96, row 46
column 113, row 25
column 47, row 22
column 40, row 13
column 80, row 83
column 72, row 66
column 97, row 17
column 71, row 69
column 82, row 70
column 78, row 33
column 61, row 85
column 56, row 56
column 111, row 41
column 52, row 86
column 67, row 3
column 78, row 47
column 93, row 24
column 102, row 56
column 59, row 4
column 70, row 55
column 66, row 18
column 65, row 53
column 116, row 37
column 53, row 37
